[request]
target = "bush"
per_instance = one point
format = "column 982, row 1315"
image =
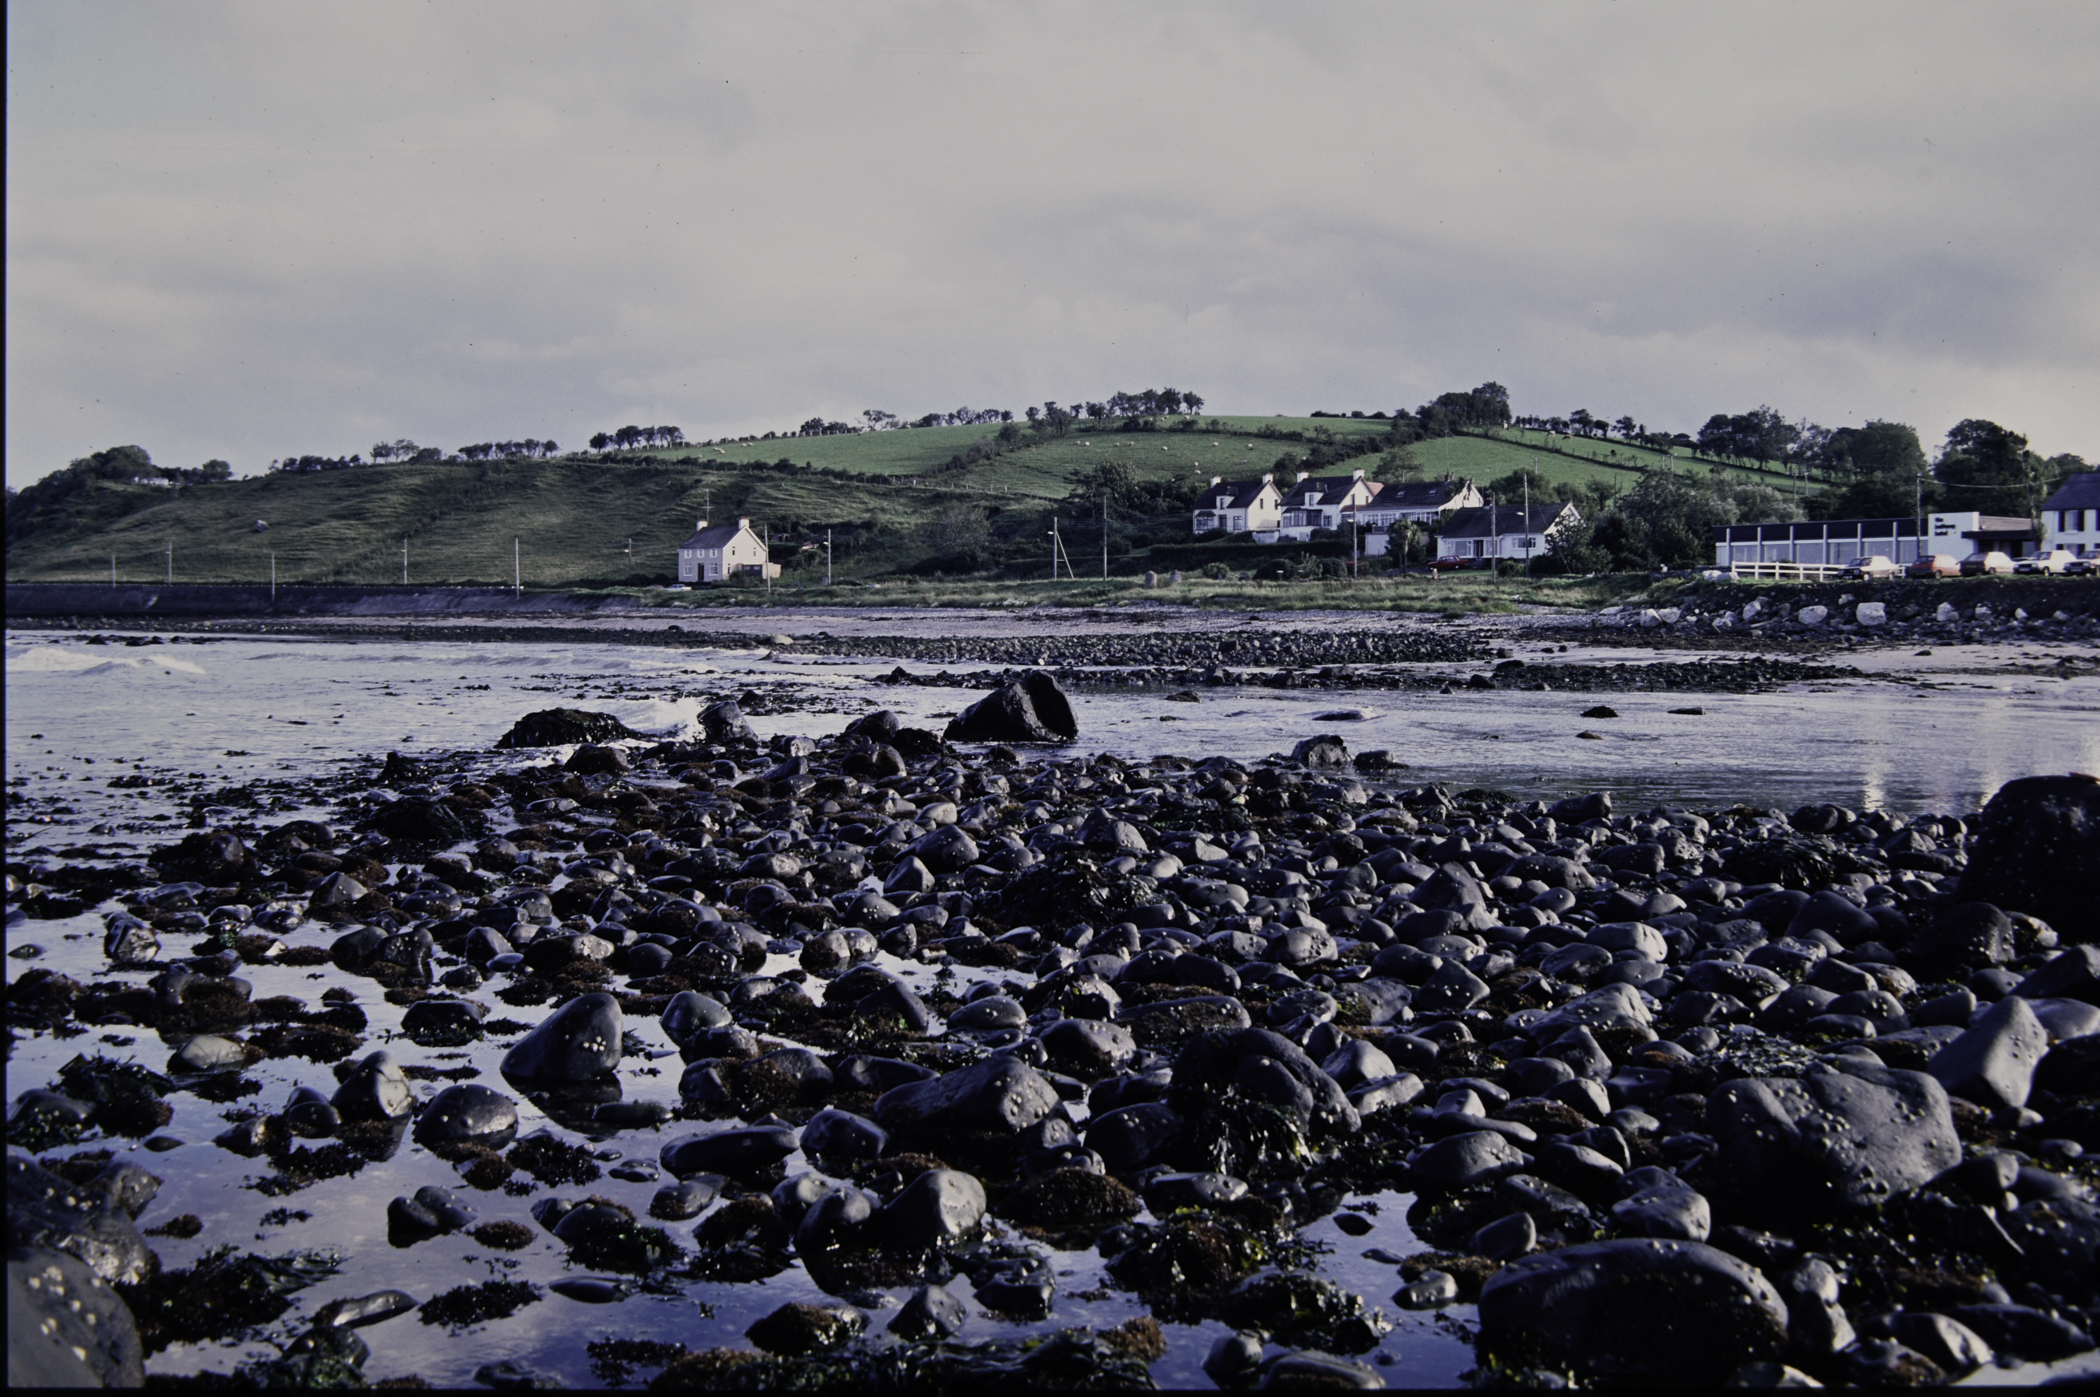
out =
column 1216, row 572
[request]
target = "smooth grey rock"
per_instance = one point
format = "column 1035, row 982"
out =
column 467, row 1113
column 688, row 1198
column 1461, row 1161
column 1034, row 709
column 1087, row 1048
column 998, row 1094
column 66, row 1325
column 1818, row 1324
column 742, row 1151
column 991, row 1014
column 2071, row 974
column 1507, row 1238
column 1828, row 1141
column 579, row 1042
column 835, row 1132
column 376, row 1089
column 1635, row 1310
column 1993, row 1063
column 1614, row 1006
column 44, row 1210
column 940, row 1208
column 931, row 1314
column 1131, row 1137
column 1665, row 1211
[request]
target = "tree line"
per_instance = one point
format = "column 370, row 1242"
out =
column 74, row 484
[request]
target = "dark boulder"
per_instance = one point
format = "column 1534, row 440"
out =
column 558, row 727
column 1001, row 1094
column 579, row 1042
column 940, row 1208
column 46, row 1211
column 467, row 1114
column 415, row 823
column 724, row 723
column 66, row 1326
column 1966, row 936
column 2034, row 848
column 1993, row 1062
column 1812, row 1147
column 1033, row 709
column 736, row 1152
column 1634, row 1311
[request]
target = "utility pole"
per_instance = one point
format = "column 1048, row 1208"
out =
column 1104, row 536
column 1527, row 526
column 827, row 557
column 404, row 561
column 1918, row 505
column 112, row 571
column 171, row 564
column 517, row 573
column 273, row 577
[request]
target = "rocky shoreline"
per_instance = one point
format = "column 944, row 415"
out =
column 1678, row 1096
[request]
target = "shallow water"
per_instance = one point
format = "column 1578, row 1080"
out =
column 260, row 710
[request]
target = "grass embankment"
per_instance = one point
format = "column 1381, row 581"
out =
column 1454, row 594
column 575, row 520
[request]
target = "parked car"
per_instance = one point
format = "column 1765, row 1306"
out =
column 1872, row 568
column 1991, row 564
column 2054, row 561
column 2082, row 567
column 1934, row 565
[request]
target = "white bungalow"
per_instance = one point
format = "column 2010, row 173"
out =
column 1238, row 506
column 1504, row 531
column 724, row 551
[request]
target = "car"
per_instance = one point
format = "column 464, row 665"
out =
column 1934, row 565
column 2082, row 567
column 2052, row 562
column 1871, row 568
column 1991, row 564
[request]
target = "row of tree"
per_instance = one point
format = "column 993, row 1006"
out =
column 629, row 438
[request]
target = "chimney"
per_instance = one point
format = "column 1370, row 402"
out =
column 699, row 526
column 1216, row 478
column 743, row 523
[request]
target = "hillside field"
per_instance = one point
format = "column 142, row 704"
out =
column 575, row 519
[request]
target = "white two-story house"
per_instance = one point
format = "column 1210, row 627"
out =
column 2071, row 516
column 1427, row 504
column 715, row 554
column 1318, row 502
column 1504, row 532
column 1238, row 506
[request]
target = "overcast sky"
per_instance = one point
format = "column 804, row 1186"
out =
column 247, row 230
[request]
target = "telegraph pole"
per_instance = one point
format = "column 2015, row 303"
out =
column 113, row 571
column 273, row 577
column 517, row 574
column 171, row 564
column 404, row 561
column 1527, row 526
column 827, row 557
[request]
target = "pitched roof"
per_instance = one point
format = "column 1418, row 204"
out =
column 1325, row 489
column 717, row 535
column 1243, row 493
column 2081, row 491
column 1489, row 520
column 1417, row 494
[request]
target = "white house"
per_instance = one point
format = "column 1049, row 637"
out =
column 1317, row 502
column 2071, row 516
column 1238, row 506
column 1424, row 502
column 1504, row 531
column 724, row 551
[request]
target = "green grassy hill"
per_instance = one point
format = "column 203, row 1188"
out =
column 575, row 519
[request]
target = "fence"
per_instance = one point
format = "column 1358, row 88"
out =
column 1784, row 572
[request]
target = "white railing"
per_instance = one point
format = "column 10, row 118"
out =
column 1785, row 572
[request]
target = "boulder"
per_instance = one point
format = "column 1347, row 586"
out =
column 2033, row 850
column 1325, row 752
column 940, row 1208
column 724, row 723
column 376, row 1090
column 46, row 1211
column 1033, row 709
column 1993, row 1063
column 1812, row 1147
column 579, row 1042
column 737, row 1152
column 67, row 1326
column 1000, row 1094
column 415, row 823
column 467, row 1114
column 559, row 727
column 1640, row 1311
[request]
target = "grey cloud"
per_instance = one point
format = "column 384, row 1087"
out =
column 240, row 230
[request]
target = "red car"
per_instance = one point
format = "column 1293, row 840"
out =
column 1934, row 565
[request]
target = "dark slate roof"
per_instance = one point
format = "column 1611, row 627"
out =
column 1243, row 492
column 2081, row 491
column 715, row 535
column 1416, row 494
column 1322, row 489
column 1491, row 520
